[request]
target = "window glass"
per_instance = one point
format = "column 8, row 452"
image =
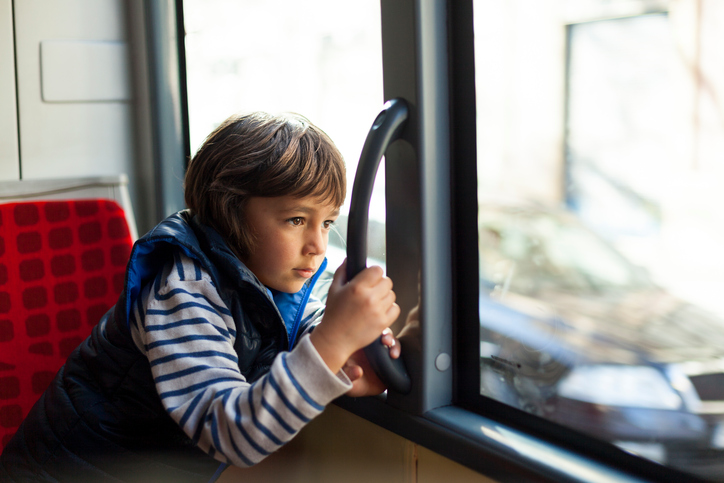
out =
column 600, row 164
column 318, row 58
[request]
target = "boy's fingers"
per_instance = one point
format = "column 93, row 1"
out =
column 380, row 287
column 393, row 312
column 370, row 275
column 388, row 299
column 385, row 283
column 375, row 271
column 391, row 342
column 387, row 338
column 395, row 351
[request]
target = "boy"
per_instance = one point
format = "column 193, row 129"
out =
column 210, row 348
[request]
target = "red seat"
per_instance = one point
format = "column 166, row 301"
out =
column 62, row 266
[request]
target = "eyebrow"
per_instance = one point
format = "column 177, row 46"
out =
column 307, row 210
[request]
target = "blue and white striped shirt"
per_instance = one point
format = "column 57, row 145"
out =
column 181, row 324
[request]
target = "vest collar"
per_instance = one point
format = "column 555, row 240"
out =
column 184, row 232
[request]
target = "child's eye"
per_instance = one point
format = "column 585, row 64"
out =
column 328, row 224
column 296, row 221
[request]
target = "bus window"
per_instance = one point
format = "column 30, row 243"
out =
column 599, row 160
column 321, row 59
column 551, row 292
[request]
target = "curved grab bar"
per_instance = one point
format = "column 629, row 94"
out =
column 385, row 129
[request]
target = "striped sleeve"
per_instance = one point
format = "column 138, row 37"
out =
column 182, row 325
column 313, row 313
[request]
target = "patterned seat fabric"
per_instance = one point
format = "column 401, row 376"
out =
column 62, row 266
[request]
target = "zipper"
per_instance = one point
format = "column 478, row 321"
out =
column 303, row 304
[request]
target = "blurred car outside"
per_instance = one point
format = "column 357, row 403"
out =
column 574, row 332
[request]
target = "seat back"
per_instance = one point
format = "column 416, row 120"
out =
column 62, row 266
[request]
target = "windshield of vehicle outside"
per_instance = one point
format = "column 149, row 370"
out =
column 526, row 251
column 600, row 140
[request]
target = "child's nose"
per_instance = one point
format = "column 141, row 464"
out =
column 316, row 243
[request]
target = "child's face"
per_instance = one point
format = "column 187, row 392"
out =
column 291, row 239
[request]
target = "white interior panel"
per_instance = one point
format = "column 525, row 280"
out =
column 83, row 70
column 71, row 139
column 9, row 162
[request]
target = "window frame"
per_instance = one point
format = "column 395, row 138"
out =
column 428, row 59
column 428, row 49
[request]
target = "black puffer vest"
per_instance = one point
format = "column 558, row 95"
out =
column 101, row 418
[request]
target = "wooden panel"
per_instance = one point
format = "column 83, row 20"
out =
column 336, row 446
column 433, row 468
column 340, row 446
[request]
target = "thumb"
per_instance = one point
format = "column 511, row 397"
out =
column 340, row 276
column 353, row 370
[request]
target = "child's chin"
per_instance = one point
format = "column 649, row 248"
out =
column 289, row 288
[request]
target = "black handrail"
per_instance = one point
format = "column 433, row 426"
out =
column 385, row 129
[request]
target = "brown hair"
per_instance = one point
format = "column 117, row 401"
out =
column 260, row 155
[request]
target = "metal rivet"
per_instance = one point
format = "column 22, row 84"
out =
column 443, row 361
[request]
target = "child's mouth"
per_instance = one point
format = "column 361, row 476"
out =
column 305, row 272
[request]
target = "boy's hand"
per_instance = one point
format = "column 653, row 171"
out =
column 357, row 312
column 364, row 380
